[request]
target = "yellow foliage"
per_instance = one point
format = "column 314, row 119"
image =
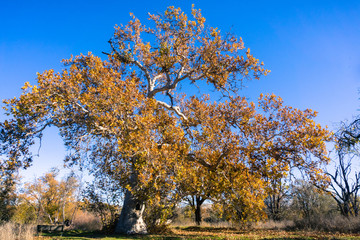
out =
column 128, row 117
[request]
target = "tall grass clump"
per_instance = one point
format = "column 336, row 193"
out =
column 12, row 231
column 334, row 224
column 86, row 221
column 273, row 225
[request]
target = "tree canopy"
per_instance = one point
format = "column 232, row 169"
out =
column 134, row 118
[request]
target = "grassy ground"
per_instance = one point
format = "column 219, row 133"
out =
column 200, row 233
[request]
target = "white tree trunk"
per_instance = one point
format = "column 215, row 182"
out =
column 131, row 218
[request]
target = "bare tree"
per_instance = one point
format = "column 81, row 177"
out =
column 343, row 188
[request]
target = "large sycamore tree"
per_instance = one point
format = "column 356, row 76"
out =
column 138, row 118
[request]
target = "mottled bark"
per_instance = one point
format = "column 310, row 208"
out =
column 131, row 218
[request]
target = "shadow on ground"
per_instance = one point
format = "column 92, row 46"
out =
column 75, row 235
column 194, row 233
column 208, row 229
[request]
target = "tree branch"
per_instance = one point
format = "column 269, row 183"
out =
column 176, row 109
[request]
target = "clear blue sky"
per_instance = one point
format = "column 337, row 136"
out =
column 311, row 47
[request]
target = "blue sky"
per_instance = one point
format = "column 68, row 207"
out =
column 311, row 47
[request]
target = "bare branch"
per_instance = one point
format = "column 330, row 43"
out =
column 175, row 109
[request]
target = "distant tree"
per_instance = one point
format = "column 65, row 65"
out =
column 278, row 199
column 343, row 188
column 309, row 202
column 345, row 184
column 24, row 212
column 305, row 199
column 8, row 178
column 8, row 197
column 52, row 200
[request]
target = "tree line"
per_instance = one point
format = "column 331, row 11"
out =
column 49, row 199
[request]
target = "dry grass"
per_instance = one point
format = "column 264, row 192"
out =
column 186, row 222
column 264, row 225
column 329, row 224
column 319, row 223
column 12, row 231
column 86, row 221
column 273, row 225
column 231, row 233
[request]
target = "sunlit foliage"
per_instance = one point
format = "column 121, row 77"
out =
column 134, row 118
